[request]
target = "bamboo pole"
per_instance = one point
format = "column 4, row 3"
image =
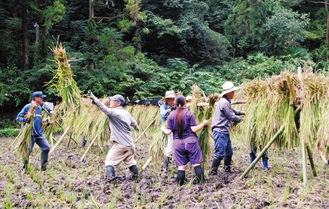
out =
column 262, row 152
column 60, row 139
column 299, row 72
column 310, row 157
column 84, row 155
column 304, row 163
column 323, row 157
column 147, row 163
column 68, row 144
column 145, row 130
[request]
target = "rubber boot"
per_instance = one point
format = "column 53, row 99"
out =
column 214, row 166
column 166, row 162
column 180, row 177
column 252, row 157
column 265, row 164
column 199, row 174
column 84, row 141
column 110, row 173
column 25, row 164
column 44, row 160
column 134, row 170
column 227, row 164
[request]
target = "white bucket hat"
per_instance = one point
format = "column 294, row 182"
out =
column 170, row 94
column 228, row 87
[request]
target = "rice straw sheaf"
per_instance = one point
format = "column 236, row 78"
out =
column 273, row 103
column 205, row 140
column 23, row 141
column 157, row 145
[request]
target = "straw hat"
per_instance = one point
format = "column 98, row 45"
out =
column 228, row 87
column 170, row 94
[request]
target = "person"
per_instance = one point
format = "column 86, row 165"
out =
column 37, row 133
column 221, row 125
column 182, row 124
column 123, row 148
column 252, row 154
column 165, row 109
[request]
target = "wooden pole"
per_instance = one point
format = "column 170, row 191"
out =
column 84, row 155
column 262, row 152
column 310, row 157
column 147, row 163
column 145, row 129
column 304, row 163
column 60, row 139
column 68, row 144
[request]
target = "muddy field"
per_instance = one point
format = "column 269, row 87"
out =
column 70, row 183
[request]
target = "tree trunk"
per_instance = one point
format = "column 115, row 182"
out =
column 327, row 30
column 91, row 9
column 25, row 40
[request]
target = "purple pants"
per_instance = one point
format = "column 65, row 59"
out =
column 187, row 150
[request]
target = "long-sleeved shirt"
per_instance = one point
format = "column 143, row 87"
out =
column 37, row 125
column 120, row 121
column 223, row 116
column 164, row 112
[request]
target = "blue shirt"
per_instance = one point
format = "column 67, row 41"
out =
column 37, row 126
column 164, row 112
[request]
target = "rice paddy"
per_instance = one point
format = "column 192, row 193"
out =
column 295, row 105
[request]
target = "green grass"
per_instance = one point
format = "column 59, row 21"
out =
column 9, row 132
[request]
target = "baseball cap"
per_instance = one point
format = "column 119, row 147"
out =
column 38, row 94
column 119, row 98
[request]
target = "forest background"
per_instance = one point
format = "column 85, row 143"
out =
column 141, row 48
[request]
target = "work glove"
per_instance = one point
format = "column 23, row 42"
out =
column 136, row 128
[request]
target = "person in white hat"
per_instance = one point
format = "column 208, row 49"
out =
column 221, row 125
column 165, row 109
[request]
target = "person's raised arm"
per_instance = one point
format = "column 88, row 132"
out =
column 100, row 105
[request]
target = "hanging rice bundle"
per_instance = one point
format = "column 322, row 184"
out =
column 268, row 108
column 144, row 115
column 315, row 95
column 23, row 140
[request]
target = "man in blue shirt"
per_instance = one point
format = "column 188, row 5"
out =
column 165, row 109
column 37, row 133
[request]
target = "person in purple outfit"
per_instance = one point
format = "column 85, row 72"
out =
column 182, row 124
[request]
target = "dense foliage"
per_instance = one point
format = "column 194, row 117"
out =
column 141, row 48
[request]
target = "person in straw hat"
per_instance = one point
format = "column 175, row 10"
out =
column 166, row 107
column 221, row 125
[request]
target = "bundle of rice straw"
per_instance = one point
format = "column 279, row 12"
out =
column 23, row 140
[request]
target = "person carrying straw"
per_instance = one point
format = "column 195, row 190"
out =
column 37, row 132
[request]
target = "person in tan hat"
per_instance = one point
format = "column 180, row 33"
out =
column 221, row 125
column 166, row 108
